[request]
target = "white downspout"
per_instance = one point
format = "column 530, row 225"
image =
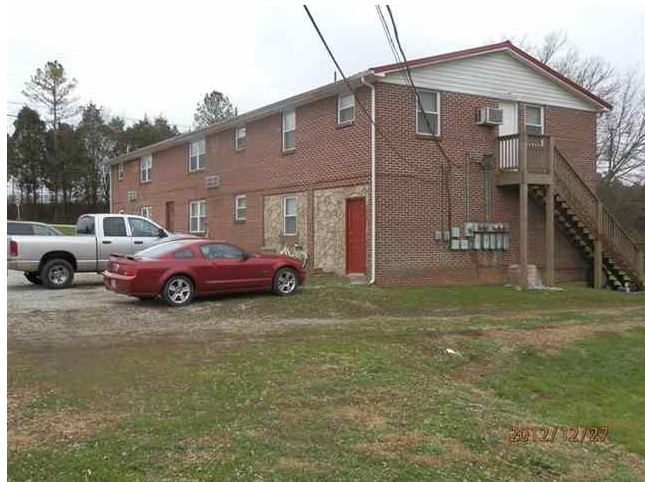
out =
column 372, row 179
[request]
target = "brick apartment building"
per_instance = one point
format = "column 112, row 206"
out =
column 384, row 201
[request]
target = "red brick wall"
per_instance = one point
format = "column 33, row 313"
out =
column 409, row 190
column 326, row 155
column 411, row 202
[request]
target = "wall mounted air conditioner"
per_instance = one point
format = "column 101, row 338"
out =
column 132, row 195
column 212, row 182
column 489, row 116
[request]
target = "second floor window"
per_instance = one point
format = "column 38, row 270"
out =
column 121, row 171
column 345, row 109
column 289, row 129
column 428, row 108
column 240, row 207
column 197, row 216
column 197, row 155
column 534, row 120
column 240, row 138
column 146, row 168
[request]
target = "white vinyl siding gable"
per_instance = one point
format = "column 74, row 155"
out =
column 197, row 155
column 496, row 74
column 197, row 215
column 146, row 168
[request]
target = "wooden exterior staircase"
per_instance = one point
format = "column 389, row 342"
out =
column 535, row 164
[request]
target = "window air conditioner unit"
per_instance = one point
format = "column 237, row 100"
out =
column 132, row 195
column 489, row 116
column 212, row 182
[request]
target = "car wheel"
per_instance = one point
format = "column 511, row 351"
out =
column 285, row 282
column 57, row 274
column 178, row 291
column 34, row 278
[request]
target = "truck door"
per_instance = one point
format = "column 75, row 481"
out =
column 144, row 234
column 115, row 239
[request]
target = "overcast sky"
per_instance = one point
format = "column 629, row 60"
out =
column 161, row 58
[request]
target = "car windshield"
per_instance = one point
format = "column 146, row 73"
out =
column 159, row 250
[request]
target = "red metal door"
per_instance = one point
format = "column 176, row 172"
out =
column 170, row 216
column 355, row 235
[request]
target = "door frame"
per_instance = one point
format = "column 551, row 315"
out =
column 364, row 244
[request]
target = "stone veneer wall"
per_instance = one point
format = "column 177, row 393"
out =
column 329, row 226
column 273, row 222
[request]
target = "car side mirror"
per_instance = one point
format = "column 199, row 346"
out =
column 245, row 256
column 162, row 233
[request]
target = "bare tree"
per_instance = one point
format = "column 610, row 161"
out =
column 621, row 134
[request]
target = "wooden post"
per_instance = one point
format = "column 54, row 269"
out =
column 549, row 275
column 597, row 250
column 524, row 210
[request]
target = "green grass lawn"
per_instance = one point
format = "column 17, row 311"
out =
column 375, row 398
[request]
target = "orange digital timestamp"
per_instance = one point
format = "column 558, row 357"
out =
column 519, row 434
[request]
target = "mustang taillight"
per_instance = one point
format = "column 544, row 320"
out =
column 13, row 248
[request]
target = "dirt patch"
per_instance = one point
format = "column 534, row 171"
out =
column 61, row 426
column 290, row 463
column 368, row 416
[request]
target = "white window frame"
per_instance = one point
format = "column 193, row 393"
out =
column 238, row 137
column 200, row 144
column 417, row 110
column 285, row 216
column 121, row 171
column 238, row 198
column 146, row 212
column 200, row 215
column 541, row 125
column 353, row 107
column 284, row 131
column 145, row 168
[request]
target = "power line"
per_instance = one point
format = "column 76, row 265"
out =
column 352, row 90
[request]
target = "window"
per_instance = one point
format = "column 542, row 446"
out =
column 184, row 253
column 85, row 225
column 114, row 227
column 19, row 229
column 143, row 229
column 240, row 207
column 197, row 216
column 345, row 109
column 290, row 216
column 430, row 106
column 146, row 168
column 240, row 138
column 197, row 155
column 534, row 120
column 289, row 130
column 146, row 212
column 159, row 250
column 228, row 251
column 40, row 230
column 121, row 171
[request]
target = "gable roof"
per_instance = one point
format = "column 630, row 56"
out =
column 497, row 47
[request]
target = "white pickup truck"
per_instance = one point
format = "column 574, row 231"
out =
column 52, row 260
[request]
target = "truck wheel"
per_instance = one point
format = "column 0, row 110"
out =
column 57, row 274
column 285, row 282
column 34, row 278
column 178, row 291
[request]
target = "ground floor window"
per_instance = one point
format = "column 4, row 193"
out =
column 146, row 212
column 289, row 216
column 240, row 207
column 198, row 216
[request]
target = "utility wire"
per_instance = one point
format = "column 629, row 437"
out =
column 353, row 90
column 448, row 168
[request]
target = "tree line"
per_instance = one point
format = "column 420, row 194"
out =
column 61, row 145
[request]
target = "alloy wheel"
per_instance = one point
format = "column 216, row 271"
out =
column 179, row 290
column 286, row 282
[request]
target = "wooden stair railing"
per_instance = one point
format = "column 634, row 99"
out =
column 600, row 221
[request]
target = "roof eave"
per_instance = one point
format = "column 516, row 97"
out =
column 294, row 101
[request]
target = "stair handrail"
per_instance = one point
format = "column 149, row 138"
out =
column 599, row 224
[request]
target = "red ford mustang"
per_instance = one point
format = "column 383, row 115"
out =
column 179, row 270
